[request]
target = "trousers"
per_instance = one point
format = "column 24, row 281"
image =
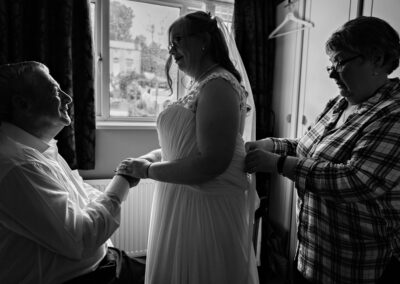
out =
column 115, row 268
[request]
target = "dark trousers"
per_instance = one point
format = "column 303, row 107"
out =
column 390, row 274
column 115, row 268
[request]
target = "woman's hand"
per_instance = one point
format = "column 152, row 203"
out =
column 259, row 160
column 264, row 144
column 134, row 167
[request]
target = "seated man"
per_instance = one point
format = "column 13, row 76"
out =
column 53, row 226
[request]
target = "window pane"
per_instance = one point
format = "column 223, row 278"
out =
column 92, row 18
column 138, row 52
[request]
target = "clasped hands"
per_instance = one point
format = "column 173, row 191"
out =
column 133, row 169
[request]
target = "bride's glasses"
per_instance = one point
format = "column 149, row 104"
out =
column 176, row 41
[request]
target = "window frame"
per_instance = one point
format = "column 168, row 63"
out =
column 102, row 61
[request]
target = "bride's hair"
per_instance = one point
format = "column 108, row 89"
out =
column 201, row 22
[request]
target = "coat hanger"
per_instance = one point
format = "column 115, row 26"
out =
column 290, row 17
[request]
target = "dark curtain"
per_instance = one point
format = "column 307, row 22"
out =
column 254, row 20
column 58, row 34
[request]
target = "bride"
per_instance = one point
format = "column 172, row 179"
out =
column 203, row 207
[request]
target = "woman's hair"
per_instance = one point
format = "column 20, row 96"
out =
column 15, row 80
column 367, row 36
column 201, row 22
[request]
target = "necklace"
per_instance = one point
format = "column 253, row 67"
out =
column 193, row 81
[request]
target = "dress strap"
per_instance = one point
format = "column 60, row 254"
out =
column 189, row 101
column 227, row 76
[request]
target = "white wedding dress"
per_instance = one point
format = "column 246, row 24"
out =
column 200, row 234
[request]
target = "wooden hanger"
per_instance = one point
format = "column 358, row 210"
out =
column 290, row 17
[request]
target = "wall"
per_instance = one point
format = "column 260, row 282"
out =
column 286, row 86
column 302, row 87
column 114, row 145
column 387, row 10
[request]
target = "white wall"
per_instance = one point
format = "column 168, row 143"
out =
column 286, row 87
column 114, row 145
column 301, row 88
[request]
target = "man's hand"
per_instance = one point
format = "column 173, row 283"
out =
column 134, row 167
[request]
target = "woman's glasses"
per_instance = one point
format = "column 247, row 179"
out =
column 176, row 41
column 339, row 66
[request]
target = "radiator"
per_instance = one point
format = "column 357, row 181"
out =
column 133, row 232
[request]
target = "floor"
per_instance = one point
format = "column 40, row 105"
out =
column 265, row 278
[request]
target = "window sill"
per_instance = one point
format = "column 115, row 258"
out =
column 126, row 125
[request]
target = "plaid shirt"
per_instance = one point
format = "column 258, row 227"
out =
column 348, row 184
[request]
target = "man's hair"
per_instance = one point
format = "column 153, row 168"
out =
column 14, row 81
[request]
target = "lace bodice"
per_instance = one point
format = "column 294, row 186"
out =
column 189, row 101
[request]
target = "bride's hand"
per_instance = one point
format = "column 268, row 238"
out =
column 134, row 167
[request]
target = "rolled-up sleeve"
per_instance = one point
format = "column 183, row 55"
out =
column 372, row 170
column 285, row 146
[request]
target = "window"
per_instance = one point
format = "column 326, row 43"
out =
column 131, row 46
column 129, row 65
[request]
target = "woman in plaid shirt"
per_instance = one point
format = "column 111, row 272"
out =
column 346, row 168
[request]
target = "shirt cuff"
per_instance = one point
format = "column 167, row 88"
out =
column 279, row 147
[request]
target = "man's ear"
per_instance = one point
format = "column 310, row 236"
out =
column 379, row 59
column 21, row 103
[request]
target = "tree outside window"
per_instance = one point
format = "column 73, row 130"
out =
column 137, row 75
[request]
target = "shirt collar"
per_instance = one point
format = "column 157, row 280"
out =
column 21, row 136
column 383, row 92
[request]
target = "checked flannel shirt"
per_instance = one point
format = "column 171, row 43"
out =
column 348, row 187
